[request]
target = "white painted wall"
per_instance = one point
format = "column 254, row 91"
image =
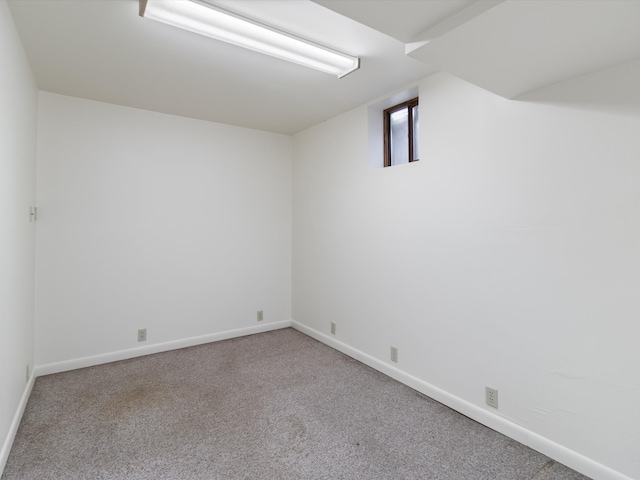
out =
column 153, row 221
column 508, row 256
column 18, row 108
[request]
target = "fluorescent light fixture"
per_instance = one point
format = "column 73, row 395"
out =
column 205, row 18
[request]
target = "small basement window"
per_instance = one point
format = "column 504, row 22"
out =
column 401, row 133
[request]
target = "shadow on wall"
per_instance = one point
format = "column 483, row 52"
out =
column 621, row 97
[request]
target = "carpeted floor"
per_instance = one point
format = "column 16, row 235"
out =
column 277, row 405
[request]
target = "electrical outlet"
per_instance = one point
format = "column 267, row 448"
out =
column 333, row 328
column 394, row 354
column 491, row 395
column 142, row 335
column 260, row 315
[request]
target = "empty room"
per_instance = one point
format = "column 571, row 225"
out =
column 320, row 239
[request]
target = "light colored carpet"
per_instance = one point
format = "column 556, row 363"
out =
column 277, row 405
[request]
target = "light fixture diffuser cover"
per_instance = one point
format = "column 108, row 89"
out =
column 206, row 18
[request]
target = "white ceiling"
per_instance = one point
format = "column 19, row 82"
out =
column 403, row 20
column 520, row 46
column 102, row 50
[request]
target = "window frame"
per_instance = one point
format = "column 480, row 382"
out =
column 409, row 104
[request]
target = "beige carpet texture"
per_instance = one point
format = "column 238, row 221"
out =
column 277, row 405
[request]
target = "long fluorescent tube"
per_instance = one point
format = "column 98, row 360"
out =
column 204, row 18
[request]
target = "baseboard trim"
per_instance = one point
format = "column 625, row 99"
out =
column 500, row 424
column 13, row 428
column 83, row 362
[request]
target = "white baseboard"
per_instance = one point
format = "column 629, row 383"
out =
column 155, row 348
column 500, row 424
column 13, row 428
